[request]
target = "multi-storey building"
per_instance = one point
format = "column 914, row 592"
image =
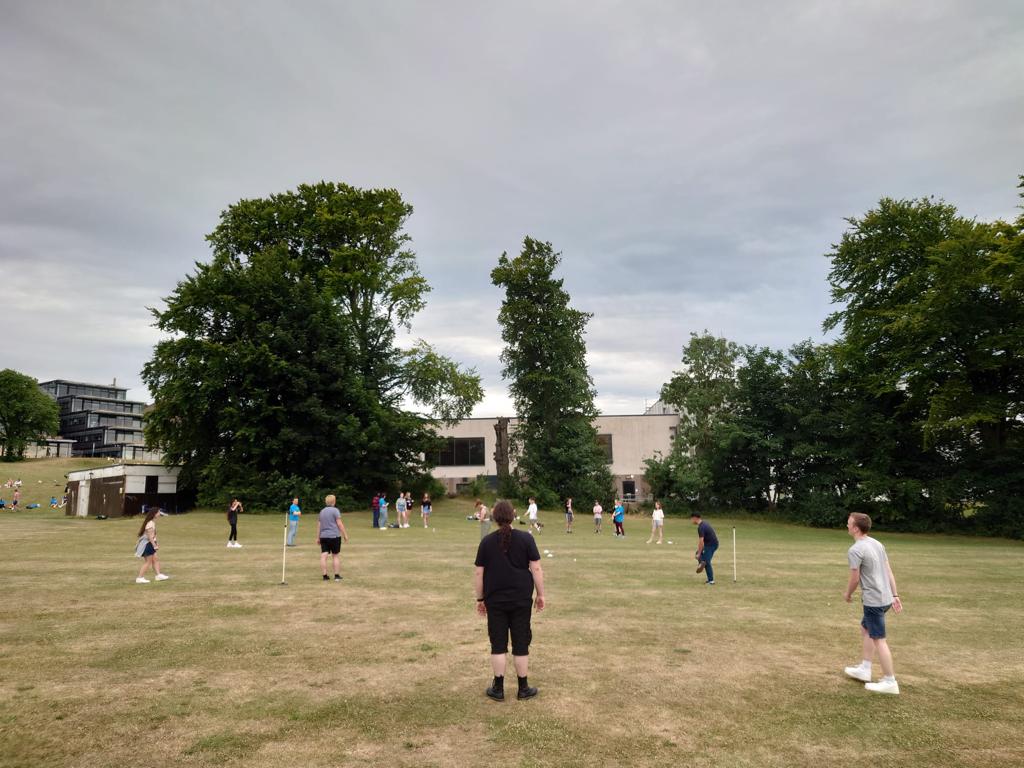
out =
column 100, row 419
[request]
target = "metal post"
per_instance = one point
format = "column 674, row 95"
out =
column 734, row 553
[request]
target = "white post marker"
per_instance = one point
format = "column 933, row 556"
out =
column 734, row 553
column 284, row 547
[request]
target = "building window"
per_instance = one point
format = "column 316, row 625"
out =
column 461, row 452
column 605, row 441
column 152, row 483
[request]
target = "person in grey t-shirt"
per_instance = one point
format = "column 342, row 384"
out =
column 329, row 533
column 870, row 569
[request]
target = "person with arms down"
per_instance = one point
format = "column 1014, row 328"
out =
column 329, row 533
column 870, row 569
column 508, row 572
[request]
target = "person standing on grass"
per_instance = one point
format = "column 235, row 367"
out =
column 707, row 545
column 870, row 569
column 508, row 572
column 533, row 515
column 568, row 514
column 233, row 509
column 15, row 499
column 409, row 506
column 425, row 510
column 484, row 516
column 400, row 509
column 148, row 546
column 294, row 513
column 382, row 518
column 598, row 516
column 657, row 523
column 619, row 517
column 375, row 510
column 330, row 532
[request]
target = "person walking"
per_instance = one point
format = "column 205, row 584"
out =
column 425, row 509
column 619, row 517
column 870, row 569
column 234, row 508
column 533, row 515
column 707, row 545
column 484, row 516
column 598, row 516
column 657, row 523
column 330, row 532
column 294, row 513
column 568, row 514
column 508, row 574
column 148, row 546
column 15, row 498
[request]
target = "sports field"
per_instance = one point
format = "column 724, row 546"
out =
column 638, row 663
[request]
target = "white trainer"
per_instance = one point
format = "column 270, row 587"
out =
column 230, row 545
column 162, row 577
column 858, row 673
column 237, row 545
column 883, row 686
column 142, row 580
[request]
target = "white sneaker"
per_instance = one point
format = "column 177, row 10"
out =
column 230, row 545
column 883, row 686
column 162, row 577
column 237, row 545
column 858, row 673
column 142, row 580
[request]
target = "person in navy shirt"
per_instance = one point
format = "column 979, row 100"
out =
column 707, row 544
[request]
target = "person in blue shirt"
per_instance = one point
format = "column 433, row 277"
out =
column 707, row 545
column 618, row 518
column 382, row 520
column 294, row 513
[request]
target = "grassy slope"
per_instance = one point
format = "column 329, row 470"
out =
column 42, row 478
column 637, row 662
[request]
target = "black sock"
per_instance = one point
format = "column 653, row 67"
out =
column 523, row 683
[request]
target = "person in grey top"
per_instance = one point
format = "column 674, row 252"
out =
column 329, row 533
column 870, row 570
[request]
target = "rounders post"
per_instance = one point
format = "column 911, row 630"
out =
column 284, row 547
column 734, row 553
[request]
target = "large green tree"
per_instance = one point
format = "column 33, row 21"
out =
column 282, row 372
column 555, row 442
column 26, row 413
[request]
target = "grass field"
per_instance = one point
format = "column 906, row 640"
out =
column 637, row 662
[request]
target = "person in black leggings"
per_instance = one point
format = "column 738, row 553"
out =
column 233, row 509
column 507, row 574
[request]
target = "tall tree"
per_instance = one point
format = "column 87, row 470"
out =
column 26, row 413
column 555, row 442
column 282, row 371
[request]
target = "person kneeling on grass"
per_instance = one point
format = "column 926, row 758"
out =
column 508, row 572
column 147, row 547
column 870, row 569
column 329, row 533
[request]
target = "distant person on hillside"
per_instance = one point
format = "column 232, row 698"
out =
column 425, row 509
column 400, row 509
column 3, row 504
column 15, row 499
column 484, row 516
column 568, row 514
column 294, row 513
column 330, row 532
column 534, row 516
column 383, row 517
column 657, row 523
column 707, row 545
column 619, row 517
column 234, row 508
column 53, row 502
column 147, row 547
column 598, row 516
column 870, row 569
column 508, row 572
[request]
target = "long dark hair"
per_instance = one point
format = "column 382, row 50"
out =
column 503, row 515
column 153, row 512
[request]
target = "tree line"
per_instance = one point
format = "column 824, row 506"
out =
column 914, row 413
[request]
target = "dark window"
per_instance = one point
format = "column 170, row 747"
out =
column 152, row 483
column 605, row 441
column 461, row 452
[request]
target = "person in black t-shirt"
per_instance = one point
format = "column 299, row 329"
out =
column 507, row 574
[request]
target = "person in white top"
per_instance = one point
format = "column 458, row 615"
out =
column 598, row 516
column 657, row 523
column 531, row 513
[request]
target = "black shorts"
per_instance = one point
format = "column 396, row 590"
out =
column 512, row 619
column 331, row 546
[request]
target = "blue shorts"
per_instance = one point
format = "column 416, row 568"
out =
column 149, row 550
column 874, row 621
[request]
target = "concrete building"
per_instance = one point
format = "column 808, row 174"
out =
column 122, row 489
column 628, row 440
column 100, row 419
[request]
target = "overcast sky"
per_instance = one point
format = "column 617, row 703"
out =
column 692, row 161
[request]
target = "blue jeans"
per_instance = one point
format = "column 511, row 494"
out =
column 293, row 527
column 706, row 555
column 382, row 521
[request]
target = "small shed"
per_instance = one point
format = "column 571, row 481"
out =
column 122, row 489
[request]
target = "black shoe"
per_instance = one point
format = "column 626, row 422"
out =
column 337, row 577
column 497, row 689
column 526, row 692
column 326, row 577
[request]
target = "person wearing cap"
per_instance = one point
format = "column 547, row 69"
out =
column 147, row 547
